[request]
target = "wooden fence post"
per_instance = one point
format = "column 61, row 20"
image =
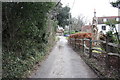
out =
column 75, row 42
column 83, row 45
column 69, row 41
column 79, row 43
column 90, row 48
column 72, row 41
column 107, row 51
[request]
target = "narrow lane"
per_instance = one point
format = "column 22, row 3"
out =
column 63, row 62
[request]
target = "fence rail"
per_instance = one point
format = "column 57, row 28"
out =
column 91, row 41
column 105, row 58
column 107, row 53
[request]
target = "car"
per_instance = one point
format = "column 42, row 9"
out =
column 66, row 35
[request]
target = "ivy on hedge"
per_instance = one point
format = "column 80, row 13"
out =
column 24, row 35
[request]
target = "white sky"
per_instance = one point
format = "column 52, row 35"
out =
column 86, row 8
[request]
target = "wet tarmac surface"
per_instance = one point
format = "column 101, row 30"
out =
column 63, row 62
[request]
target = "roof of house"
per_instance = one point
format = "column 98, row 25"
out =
column 60, row 29
column 108, row 18
column 86, row 27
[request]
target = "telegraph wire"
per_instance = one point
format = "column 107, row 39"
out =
column 73, row 5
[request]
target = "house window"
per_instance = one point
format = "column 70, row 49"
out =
column 117, row 19
column 103, row 27
column 105, row 20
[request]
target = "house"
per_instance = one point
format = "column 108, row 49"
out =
column 59, row 31
column 103, row 27
column 98, row 25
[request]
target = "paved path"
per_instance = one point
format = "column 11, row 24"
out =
column 63, row 62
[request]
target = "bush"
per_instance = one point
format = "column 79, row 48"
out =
column 26, row 36
column 81, row 35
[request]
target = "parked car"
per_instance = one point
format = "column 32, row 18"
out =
column 66, row 35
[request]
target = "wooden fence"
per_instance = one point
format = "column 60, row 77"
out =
column 87, row 48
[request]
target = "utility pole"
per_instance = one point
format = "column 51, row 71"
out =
column 70, row 18
column 69, row 25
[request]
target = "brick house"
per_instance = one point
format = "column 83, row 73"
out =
column 87, row 28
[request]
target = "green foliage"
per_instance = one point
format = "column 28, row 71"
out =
column 112, row 24
column 116, row 4
column 73, row 32
column 63, row 16
column 25, row 35
column 112, row 37
column 109, row 33
column 66, row 32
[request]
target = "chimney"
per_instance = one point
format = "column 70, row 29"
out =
column 89, row 23
column 94, row 12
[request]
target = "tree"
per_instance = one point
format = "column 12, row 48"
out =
column 116, row 4
column 112, row 23
column 63, row 16
column 77, row 23
column 25, row 35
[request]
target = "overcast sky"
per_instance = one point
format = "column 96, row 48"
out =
column 86, row 8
